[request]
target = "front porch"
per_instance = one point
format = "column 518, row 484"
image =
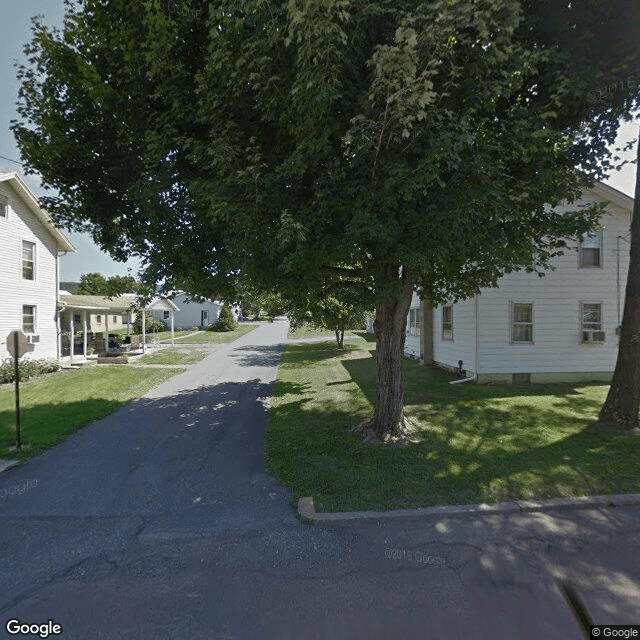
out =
column 77, row 343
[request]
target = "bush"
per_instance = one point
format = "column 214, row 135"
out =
column 151, row 324
column 28, row 369
column 226, row 320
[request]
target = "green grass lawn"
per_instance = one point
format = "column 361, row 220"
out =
column 53, row 407
column 308, row 331
column 160, row 335
column 478, row 443
column 217, row 337
column 172, row 356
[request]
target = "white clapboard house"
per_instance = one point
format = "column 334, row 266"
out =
column 30, row 247
column 562, row 327
column 191, row 313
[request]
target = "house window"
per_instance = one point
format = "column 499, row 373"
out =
column 415, row 320
column 115, row 319
column 591, row 314
column 521, row 322
column 28, row 260
column 99, row 319
column 165, row 315
column 591, row 249
column 4, row 206
column 28, row 318
column 447, row 322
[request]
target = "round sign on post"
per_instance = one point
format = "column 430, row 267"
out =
column 22, row 344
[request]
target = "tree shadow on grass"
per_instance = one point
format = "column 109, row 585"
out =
column 479, row 444
column 309, row 353
column 44, row 425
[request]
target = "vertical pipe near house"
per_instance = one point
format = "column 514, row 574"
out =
column 618, row 277
column 144, row 330
column 106, row 330
column 58, row 329
column 477, row 363
column 84, row 334
column 71, row 335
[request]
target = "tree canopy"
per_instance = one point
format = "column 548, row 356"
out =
column 96, row 284
column 375, row 147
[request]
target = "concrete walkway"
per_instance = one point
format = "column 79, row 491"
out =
column 160, row 522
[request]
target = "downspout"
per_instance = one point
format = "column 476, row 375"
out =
column 474, row 377
column 57, row 302
column 618, row 276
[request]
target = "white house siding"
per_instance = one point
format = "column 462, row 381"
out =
column 557, row 341
column 413, row 344
column 557, row 351
column 463, row 345
column 190, row 313
column 42, row 292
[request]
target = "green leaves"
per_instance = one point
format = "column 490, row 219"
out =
column 279, row 139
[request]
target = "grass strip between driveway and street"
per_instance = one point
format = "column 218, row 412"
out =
column 216, row 337
column 53, row 407
column 478, row 443
column 172, row 356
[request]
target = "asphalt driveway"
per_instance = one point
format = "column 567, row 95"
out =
column 160, row 522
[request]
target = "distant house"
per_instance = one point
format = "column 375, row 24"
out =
column 100, row 313
column 82, row 314
column 30, row 246
column 562, row 327
column 191, row 313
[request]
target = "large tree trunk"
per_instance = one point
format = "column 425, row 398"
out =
column 621, row 406
column 390, row 326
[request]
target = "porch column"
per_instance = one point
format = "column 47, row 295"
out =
column 58, row 332
column 106, row 331
column 172, row 342
column 144, row 331
column 72, row 335
column 84, row 334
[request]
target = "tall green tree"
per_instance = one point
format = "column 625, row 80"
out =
column 97, row 285
column 620, row 408
column 93, row 284
column 392, row 146
column 330, row 313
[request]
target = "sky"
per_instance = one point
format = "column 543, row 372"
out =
column 15, row 31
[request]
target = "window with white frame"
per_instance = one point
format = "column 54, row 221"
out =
column 521, row 322
column 98, row 319
column 591, row 249
column 415, row 320
column 28, row 260
column 591, row 314
column 29, row 318
column 4, row 206
column 115, row 319
column 447, row 322
column 165, row 315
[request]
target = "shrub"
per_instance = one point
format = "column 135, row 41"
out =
column 151, row 324
column 28, row 369
column 226, row 320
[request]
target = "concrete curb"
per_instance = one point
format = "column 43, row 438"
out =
column 5, row 464
column 307, row 511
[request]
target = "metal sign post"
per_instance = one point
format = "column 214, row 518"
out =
column 17, row 347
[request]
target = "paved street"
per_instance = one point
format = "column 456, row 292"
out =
column 160, row 521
